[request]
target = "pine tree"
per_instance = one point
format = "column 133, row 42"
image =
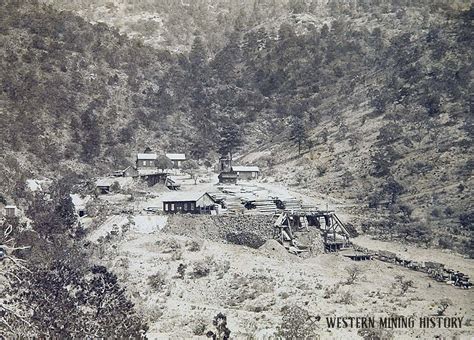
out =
column 298, row 132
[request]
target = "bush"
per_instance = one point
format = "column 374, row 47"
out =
column 193, row 245
column 345, row 298
column 202, row 268
column 354, row 274
column 222, row 332
column 182, row 270
column 443, row 304
column 157, row 281
column 296, row 324
column 402, row 284
column 169, row 245
column 199, row 327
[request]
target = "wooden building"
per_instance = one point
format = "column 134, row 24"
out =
column 10, row 211
column 103, row 185
column 229, row 177
column 153, row 178
column 246, row 172
column 146, row 160
column 188, row 203
column 176, row 158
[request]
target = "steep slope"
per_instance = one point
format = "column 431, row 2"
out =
column 75, row 95
column 375, row 96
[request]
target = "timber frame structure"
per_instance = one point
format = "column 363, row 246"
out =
column 335, row 234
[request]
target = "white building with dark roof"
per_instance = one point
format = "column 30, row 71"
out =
column 176, row 158
column 246, row 172
column 146, row 160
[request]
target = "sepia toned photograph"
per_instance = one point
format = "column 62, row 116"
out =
column 236, row 169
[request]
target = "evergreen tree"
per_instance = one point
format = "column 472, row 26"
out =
column 298, row 132
column 230, row 138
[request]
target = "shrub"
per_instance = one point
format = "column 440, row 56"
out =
column 330, row 291
column 177, row 255
column 169, row 245
column 297, row 323
column 199, row 326
column 345, row 298
column 193, row 245
column 181, row 270
column 157, row 281
column 402, row 284
column 354, row 274
column 443, row 304
column 222, row 332
column 202, row 268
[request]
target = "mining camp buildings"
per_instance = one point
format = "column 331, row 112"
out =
column 229, row 177
column 189, row 202
column 176, row 158
column 146, row 160
column 246, row 172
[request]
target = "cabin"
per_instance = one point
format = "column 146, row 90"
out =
column 176, row 158
column 188, row 203
column 103, row 186
column 246, row 172
column 146, row 160
column 229, row 177
column 10, row 211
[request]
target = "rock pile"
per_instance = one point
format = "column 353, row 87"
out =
column 233, row 229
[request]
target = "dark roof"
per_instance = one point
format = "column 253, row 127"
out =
column 184, row 196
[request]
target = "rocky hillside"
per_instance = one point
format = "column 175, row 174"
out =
column 367, row 101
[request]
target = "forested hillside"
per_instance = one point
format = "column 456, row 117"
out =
column 365, row 100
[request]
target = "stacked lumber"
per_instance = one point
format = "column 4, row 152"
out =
column 291, row 203
column 234, row 205
column 262, row 206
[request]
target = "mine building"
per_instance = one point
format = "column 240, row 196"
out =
column 146, row 160
column 229, row 177
column 103, row 185
column 246, row 172
column 176, row 158
column 188, row 202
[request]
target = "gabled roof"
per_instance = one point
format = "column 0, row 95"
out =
column 183, row 196
column 241, row 168
column 176, row 156
column 147, row 156
column 105, row 182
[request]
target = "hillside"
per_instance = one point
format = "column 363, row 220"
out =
column 376, row 96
